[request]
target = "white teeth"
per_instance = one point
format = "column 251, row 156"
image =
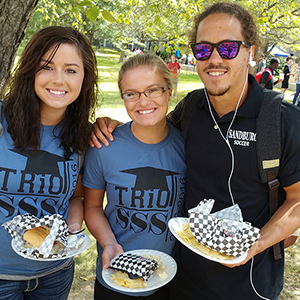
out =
column 216, row 73
column 144, row 112
column 57, row 92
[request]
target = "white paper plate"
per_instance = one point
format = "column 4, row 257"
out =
column 70, row 253
column 155, row 282
column 176, row 223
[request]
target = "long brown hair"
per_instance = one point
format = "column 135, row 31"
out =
column 22, row 106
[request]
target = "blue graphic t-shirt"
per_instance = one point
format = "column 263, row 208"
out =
column 40, row 183
column 145, row 186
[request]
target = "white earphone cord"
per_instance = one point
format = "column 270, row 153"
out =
column 232, row 165
column 251, row 281
column 226, row 139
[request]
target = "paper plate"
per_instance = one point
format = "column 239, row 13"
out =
column 86, row 242
column 155, row 282
column 176, row 223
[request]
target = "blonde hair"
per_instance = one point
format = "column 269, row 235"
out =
column 153, row 61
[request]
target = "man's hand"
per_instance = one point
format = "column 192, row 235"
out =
column 102, row 129
column 250, row 253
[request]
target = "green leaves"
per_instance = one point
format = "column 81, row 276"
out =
column 160, row 22
column 108, row 16
column 92, row 13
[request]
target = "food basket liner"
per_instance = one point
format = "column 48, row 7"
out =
column 135, row 266
column 58, row 231
column 223, row 231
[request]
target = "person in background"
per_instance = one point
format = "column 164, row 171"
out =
column 47, row 104
column 222, row 163
column 295, row 99
column 267, row 79
column 137, row 51
column 184, row 59
column 262, row 64
column 287, row 71
column 174, row 67
column 191, row 60
column 142, row 174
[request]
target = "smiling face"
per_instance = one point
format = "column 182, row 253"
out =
column 145, row 112
column 222, row 76
column 58, row 83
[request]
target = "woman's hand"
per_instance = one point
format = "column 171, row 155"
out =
column 109, row 252
column 102, row 129
column 74, row 227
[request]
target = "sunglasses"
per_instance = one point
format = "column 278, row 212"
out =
column 227, row 49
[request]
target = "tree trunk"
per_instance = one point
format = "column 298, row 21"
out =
column 14, row 17
column 122, row 56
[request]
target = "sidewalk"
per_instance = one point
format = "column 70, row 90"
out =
column 188, row 68
column 288, row 95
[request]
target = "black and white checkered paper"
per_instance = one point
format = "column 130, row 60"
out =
column 58, row 231
column 223, row 231
column 134, row 265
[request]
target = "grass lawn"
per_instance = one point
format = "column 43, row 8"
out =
column 112, row 106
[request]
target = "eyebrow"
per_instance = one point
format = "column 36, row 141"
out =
column 151, row 86
column 67, row 64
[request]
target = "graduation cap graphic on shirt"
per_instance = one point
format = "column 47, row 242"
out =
column 41, row 162
column 149, row 178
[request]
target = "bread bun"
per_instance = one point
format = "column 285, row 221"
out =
column 36, row 236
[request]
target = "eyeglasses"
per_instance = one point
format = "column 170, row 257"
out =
column 227, row 49
column 151, row 93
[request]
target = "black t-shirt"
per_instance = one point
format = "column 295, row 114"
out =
column 209, row 163
column 269, row 84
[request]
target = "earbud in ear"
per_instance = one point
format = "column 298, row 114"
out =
column 252, row 63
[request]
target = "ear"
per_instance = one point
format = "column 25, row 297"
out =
column 170, row 91
column 251, row 62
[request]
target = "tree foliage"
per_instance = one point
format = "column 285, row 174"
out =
column 162, row 22
column 85, row 15
column 148, row 23
column 279, row 22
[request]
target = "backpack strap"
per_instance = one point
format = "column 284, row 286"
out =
column 188, row 111
column 270, row 73
column 1, row 127
column 268, row 130
column 269, row 133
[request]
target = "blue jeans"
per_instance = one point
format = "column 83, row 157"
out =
column 55, row 286
column 296, row 94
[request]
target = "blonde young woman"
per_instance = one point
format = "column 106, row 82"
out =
column 142, row 173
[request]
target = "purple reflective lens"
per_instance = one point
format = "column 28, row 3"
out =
column 228, row 50
column 202, row 51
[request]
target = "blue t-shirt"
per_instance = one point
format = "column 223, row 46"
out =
column 40, row 183
column 145, row 186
